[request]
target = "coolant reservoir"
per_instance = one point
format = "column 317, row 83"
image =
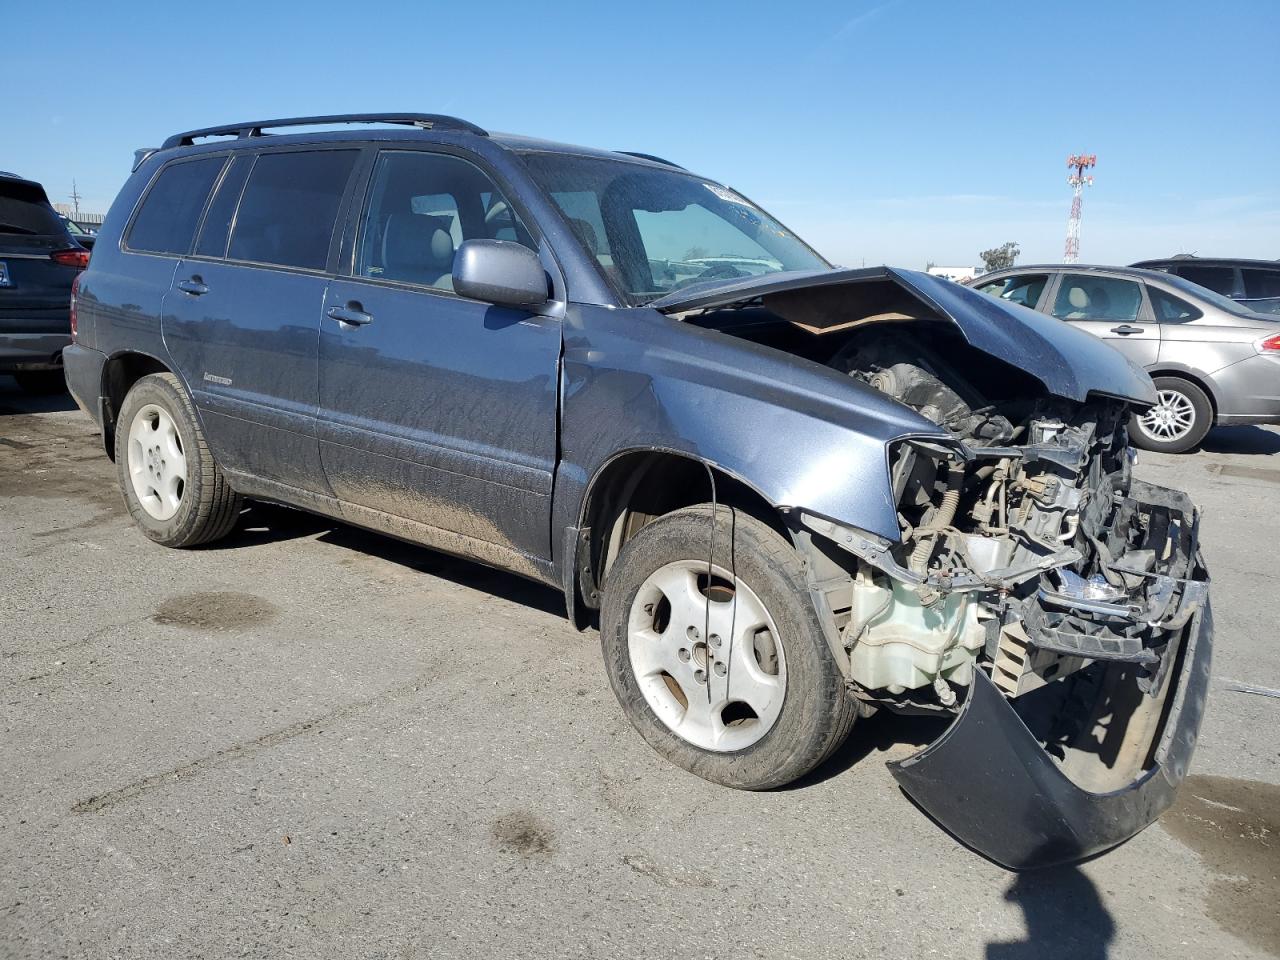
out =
column 909, row 644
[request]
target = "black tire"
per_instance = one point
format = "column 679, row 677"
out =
column 1182, row 392
column 817, row 711
column 209, row 508
column 42, row 383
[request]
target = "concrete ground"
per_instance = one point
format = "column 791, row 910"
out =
column 313, row 741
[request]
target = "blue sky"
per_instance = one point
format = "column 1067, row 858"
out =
column 898, row 132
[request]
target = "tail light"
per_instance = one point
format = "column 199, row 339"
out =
column 1269, row 344
column 74, row 257
column 75, row 292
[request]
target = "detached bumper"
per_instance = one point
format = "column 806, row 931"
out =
column 989, row 782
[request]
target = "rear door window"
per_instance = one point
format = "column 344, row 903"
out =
column 217, row 222
column 1024, row 288
column 1218, row 279
column 289, row 208
column 25, row 210
column 1086, row 297
column 166, row 222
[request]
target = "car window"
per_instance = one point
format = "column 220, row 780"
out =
column 289, row 208
column 422, row 207
column 655, row 229
column 222, row 210
column 166, row 222
column 1171, row 309
column 1218, row 279
column 1260, row 284
column 1024, row 288
column 1085, row 297
column 25, row 210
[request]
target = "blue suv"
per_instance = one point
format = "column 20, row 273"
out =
column 790, row 495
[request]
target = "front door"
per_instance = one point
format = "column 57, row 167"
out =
column 1112, row 309
column 433, row 408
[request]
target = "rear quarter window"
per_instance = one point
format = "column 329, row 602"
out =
column 166, row 221
column 289, row 208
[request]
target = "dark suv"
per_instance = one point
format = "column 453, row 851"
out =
column 1253, row 283
column 793, row 495
column 39, row 261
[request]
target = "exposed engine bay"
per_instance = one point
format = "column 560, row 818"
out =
column 1029, row 546
column 1028, row 550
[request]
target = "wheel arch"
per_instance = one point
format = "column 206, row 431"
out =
column 631, row 489
column 119, row 373
column 1191, row 376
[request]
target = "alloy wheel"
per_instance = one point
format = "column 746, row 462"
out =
column 157, row 463
column 706, row 655
column 1171, row 419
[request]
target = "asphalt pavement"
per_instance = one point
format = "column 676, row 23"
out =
column 312, row 741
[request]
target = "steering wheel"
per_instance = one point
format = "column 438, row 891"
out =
column 721, row 271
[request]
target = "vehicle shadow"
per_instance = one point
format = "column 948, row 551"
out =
column 876, row 734
column 15, row 401
column 263, row 523
column 1064, row 916
column 1247, row 440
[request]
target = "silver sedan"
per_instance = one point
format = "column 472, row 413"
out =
column 1213, row 360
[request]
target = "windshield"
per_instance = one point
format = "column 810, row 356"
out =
column 1226, row 304
column 654, row 230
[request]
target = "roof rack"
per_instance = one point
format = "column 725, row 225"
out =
column 650, row 157
column 254, row 128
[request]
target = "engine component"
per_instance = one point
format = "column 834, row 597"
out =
column 899, row 642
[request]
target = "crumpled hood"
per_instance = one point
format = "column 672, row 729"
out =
column 1069, row 362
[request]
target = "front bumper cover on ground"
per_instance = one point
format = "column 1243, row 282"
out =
column 990, row 783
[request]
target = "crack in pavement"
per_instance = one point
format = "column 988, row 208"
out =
column 230, row 754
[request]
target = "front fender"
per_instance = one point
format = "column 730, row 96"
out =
column 800, row 434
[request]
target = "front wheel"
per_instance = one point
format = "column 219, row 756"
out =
column 1178, row 421
column 716, row 653
column 172, row 486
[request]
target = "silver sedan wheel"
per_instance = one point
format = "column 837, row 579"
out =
column 1170, row 419
column 707, row 656
column 157, row 464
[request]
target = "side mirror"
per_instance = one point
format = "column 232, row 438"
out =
column 500, row 272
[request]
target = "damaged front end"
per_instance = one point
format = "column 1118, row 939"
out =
column 1056, row 606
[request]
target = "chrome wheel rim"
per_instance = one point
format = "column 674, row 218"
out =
column 707, row 656
column 1170, row 419
column 157, row 463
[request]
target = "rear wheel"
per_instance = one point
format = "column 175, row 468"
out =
column 41, row 382
column 172, row 486
column 1178, row 421
column 716, row 654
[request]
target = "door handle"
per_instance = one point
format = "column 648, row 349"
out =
column 352, row 314
column 195, row 286
column 1124, row 330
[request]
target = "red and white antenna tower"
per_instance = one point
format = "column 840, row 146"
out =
column 1078, row 164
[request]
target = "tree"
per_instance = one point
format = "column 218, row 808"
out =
column 1000, row 257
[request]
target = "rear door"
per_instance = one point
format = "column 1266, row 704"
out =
column 242, row 316
column 35, row 290
column 1113, row 309
column 435, row 408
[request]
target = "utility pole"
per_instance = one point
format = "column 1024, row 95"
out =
column 1078, row 164
column 75, row 199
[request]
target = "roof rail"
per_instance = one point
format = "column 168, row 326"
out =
column 650, row 157
column 254, row 128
